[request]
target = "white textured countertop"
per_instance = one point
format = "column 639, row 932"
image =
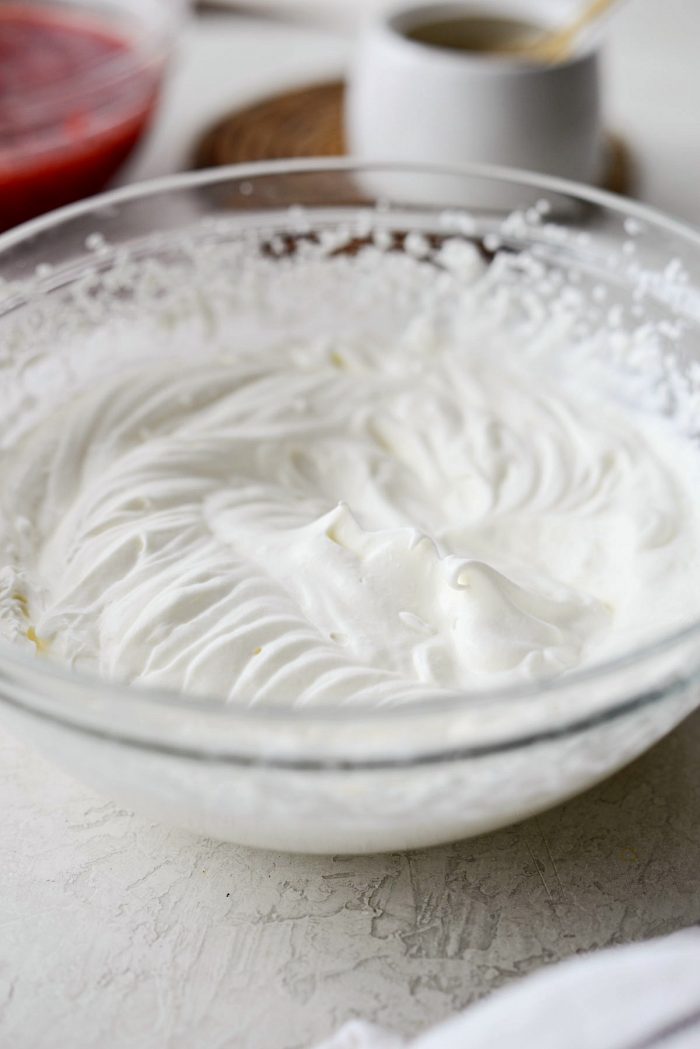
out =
column 118, row 933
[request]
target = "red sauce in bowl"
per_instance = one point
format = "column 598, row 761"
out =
column 75, row 97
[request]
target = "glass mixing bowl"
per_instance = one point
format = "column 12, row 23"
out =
column 171, row 252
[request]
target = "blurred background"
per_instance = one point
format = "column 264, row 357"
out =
column 138, row 86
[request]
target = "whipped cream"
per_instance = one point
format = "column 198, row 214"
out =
column 320, row 525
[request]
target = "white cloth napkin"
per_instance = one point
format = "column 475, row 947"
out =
column 641, row 997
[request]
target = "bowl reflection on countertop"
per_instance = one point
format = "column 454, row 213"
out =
column 354, row 779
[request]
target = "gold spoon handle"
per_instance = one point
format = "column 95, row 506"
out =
column 594, row 10
column 556, row 45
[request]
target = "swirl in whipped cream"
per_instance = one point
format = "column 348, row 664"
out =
column 318, row 527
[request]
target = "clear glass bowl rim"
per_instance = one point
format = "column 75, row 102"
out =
column 35, row 672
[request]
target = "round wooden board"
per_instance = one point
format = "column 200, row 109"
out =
column 308, row 122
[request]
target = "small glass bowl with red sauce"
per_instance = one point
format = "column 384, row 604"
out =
column 79, row 82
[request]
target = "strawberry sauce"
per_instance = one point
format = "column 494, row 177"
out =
column 75, row 97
